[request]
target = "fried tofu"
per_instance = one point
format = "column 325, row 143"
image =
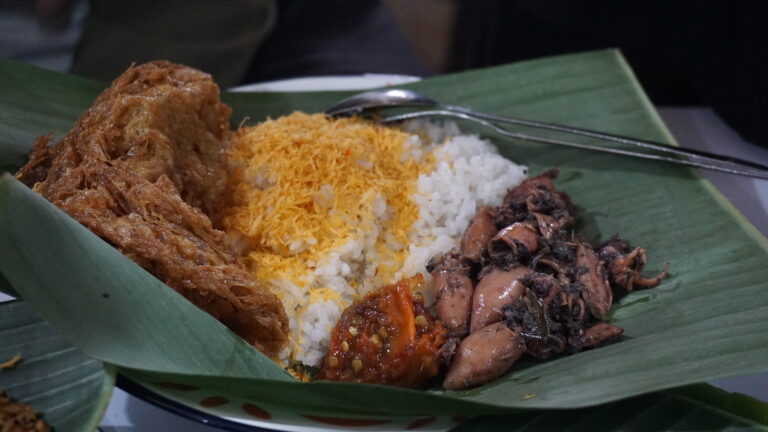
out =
column 144, row 168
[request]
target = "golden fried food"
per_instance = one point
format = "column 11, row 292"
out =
column 19, row 417
column 144, row 168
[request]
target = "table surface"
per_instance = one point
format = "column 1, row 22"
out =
column 694, row 127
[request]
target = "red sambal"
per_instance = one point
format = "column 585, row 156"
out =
column 388, row 337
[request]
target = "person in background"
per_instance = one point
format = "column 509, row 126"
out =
column 710, row 52
column 242, row 41
column 237, row 41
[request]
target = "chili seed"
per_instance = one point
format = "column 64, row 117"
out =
column 344, row 346
column 353, row 330
column 420, row 321
column 357, row 364
column 332, row 361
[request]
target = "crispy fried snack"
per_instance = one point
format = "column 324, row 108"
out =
column 144, row 168
column 17, row 416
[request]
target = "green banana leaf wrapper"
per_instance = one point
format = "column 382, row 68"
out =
column 708, row 320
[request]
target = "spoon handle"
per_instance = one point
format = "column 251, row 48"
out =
column 692, row 154
column 691, row 158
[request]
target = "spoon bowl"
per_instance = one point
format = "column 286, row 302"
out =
column 380, row 98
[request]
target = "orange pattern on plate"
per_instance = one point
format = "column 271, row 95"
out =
column 254, row 411
column 214, row 401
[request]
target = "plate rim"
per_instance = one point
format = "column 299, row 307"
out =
column 142, row 393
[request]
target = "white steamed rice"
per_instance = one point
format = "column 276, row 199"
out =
column 468, row 173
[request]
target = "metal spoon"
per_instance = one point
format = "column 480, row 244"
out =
column 388, row 98
column 380, row 98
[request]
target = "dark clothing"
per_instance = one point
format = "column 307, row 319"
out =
column 229, row 39
column 707, row 52
column 333, row 37
column 217, row 37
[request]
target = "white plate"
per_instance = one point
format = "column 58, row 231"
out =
column 328, row 83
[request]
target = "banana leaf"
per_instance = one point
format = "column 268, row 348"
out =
column 708, row 320
column 698, row 407
column 70, row 389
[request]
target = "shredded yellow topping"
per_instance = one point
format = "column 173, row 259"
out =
column 305, row 184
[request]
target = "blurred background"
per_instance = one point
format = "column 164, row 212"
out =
column 704, row 64
column 706, row 53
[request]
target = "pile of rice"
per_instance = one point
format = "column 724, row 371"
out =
column 327, row 210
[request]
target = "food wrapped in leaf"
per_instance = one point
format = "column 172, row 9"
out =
column 144, row 168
